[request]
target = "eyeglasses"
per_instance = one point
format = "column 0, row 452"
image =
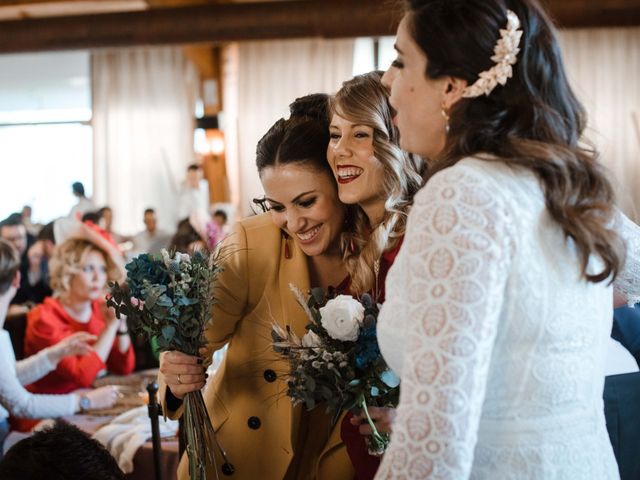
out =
column 262, row 203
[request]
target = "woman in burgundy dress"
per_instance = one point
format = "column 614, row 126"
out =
column 381, row 179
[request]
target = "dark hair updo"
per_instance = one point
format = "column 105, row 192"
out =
column 300, row 139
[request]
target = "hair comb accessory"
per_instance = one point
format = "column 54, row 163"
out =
column 505, row 55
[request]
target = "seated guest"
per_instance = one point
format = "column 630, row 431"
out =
column 106, row 223
column 13, row 231
column 14, row 399
column 151, row 239
column 220, row 217
column 61, row 452
column 80, row 268
column 34, row 281
column 191, row 233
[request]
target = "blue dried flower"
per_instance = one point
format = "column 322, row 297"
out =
column 144, row 267
column 368, row 350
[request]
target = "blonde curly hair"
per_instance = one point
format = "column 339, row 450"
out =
column 67, row 260
column 365, row 101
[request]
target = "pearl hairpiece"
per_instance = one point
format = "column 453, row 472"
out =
column 505, row 55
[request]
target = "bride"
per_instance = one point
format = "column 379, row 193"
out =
column 499, row 303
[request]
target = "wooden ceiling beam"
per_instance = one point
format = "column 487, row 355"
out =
column 258, row 21
column 594, row 13
column 201, row 23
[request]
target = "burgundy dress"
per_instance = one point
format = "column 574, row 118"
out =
column 364, row 464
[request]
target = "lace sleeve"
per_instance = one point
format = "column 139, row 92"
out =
column 457, row 253
column 627, row 282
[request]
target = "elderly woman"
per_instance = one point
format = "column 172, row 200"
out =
column 79, row 269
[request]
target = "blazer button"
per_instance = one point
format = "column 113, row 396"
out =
column 228, row 469
column 254, row 423
column 270, row 376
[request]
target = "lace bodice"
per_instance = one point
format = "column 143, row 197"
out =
column 499, row 342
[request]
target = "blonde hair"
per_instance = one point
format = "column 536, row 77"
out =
column 364, row 100
column 66, row 262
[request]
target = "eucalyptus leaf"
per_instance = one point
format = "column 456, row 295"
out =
column 168, row 331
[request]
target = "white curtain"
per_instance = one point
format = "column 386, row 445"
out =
column 143, row 123
column 261, row 80
column 604, row 69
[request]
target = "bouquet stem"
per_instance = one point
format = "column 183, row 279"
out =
column 377, row 441
column 200, row 437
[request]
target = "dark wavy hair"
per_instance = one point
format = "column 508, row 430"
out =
column 534, row 121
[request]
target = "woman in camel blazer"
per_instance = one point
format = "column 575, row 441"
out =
column 297, row 243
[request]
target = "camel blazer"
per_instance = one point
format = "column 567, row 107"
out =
column 254, row 419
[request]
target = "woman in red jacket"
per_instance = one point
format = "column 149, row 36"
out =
column 79, row 271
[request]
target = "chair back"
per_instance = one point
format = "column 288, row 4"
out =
column 16, row 325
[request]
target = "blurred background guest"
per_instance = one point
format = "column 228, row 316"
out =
column 151, row 239
column 84, row 204
column 13, row 231
column 194, row 194
column 106, row 223
column 34, row 282
column 26, row 221
column 79, row 269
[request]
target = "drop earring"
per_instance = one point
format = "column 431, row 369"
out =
column 445, row 114
column 287, row 250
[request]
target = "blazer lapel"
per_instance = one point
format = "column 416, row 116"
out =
column 293, row 271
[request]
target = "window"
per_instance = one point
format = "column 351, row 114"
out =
column 365, row 57
column 45, row 132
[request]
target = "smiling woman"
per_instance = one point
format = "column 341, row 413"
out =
column 373, row 175
column 296, row 242
column 304, row 204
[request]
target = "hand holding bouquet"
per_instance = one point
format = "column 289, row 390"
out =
column 338, row 361
column 169, row 299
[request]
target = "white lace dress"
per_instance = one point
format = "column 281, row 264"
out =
column 499, row 342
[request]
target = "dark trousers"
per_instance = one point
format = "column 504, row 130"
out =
column 622, row 412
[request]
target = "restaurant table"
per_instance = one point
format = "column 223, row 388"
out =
column 143, row 468
column 132, row 388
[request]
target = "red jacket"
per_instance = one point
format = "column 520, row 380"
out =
column 49, row 323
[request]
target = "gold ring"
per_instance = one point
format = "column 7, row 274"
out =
column 179, row 382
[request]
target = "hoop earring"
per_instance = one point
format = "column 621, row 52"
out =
column 445, row 114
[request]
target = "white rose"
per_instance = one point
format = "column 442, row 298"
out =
column 183, row 257
column 341, row 318
column 310, row 340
